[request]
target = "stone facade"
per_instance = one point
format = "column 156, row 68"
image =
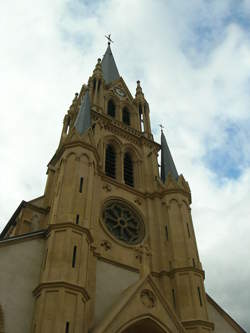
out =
column 110, row 245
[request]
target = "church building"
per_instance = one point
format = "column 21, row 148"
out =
column 110, row 246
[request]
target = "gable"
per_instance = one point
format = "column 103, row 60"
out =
column 111, row 281
column 142, row 301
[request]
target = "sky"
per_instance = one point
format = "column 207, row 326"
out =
column 193, row 61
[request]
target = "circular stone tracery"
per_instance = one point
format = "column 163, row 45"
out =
column 123, row 222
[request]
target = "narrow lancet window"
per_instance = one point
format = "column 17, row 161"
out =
column 188, row 231
column 77, row 218
column 173, row 296
column 111, row 108
column 81, row 185
column 166, row 232
column 126, row 116
column 199, row 294
column 128, row 170
column 74, row 257
column 67, row 327
column 141, row 118
column 110, row 162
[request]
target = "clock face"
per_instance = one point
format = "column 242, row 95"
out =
column 123, row 222
column 119, row 92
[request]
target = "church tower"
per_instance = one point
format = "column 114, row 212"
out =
column 119, row 252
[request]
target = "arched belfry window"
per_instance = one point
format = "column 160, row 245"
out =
column 128, row 170
column 126, row 116
column 111, row 108
column 141, row 118
column 110, row 167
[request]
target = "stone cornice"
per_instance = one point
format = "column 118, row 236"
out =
column 70, row 225
column 62, row 284
column 75, row 143
column 23, row 238
column 151, row 195
column 129, row 133
column 160, row 274
column 113, row 262
column 179, row 270
column 195, row 323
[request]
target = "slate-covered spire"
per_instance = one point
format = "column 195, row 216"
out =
column 83, row 119
column 109, row 69
column 167, row 162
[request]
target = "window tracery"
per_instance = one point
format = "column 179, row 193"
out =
column 123, row 222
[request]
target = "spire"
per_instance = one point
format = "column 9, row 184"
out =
column 83, row 119
column 167, row 163
column 109, row 69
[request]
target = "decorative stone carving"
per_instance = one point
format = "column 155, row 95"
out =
column 107, row 187
column 106, row 245
column 138, row 201
column 148, row 298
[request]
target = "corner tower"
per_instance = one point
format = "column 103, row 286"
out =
column 120, row 253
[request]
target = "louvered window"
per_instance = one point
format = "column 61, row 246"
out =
column 128, row 170
column 126, row 116
column 110, row 161
column 111, row 108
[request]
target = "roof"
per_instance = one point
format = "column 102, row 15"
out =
column 167, row 162
column 109, row 69
column 83, row 119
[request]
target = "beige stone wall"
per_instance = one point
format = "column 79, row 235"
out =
column 111, row 281
column 20, row 264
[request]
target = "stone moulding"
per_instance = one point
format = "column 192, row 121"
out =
column 60, row 284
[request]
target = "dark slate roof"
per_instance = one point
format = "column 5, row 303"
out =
column 109, row 69
column 83, row 119
column 167, row 162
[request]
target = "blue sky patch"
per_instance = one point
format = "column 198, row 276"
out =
column 229, row 158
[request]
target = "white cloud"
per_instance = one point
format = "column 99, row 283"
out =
column 193, row 60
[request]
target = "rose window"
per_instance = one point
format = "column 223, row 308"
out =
column 123, row 222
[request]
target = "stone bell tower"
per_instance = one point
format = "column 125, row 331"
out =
column 115, row 224
column 120, row 253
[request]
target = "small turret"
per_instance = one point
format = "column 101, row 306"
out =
column 143, row 111
column 139, row 96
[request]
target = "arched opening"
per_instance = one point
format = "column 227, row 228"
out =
column 126, row 116
column 141, row 118
column 146, row 325
column 111, row 108
column 128, row 170
column 110, row 161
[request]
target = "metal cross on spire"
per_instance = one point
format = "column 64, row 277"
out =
column 109, row 39
column 161, row 126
